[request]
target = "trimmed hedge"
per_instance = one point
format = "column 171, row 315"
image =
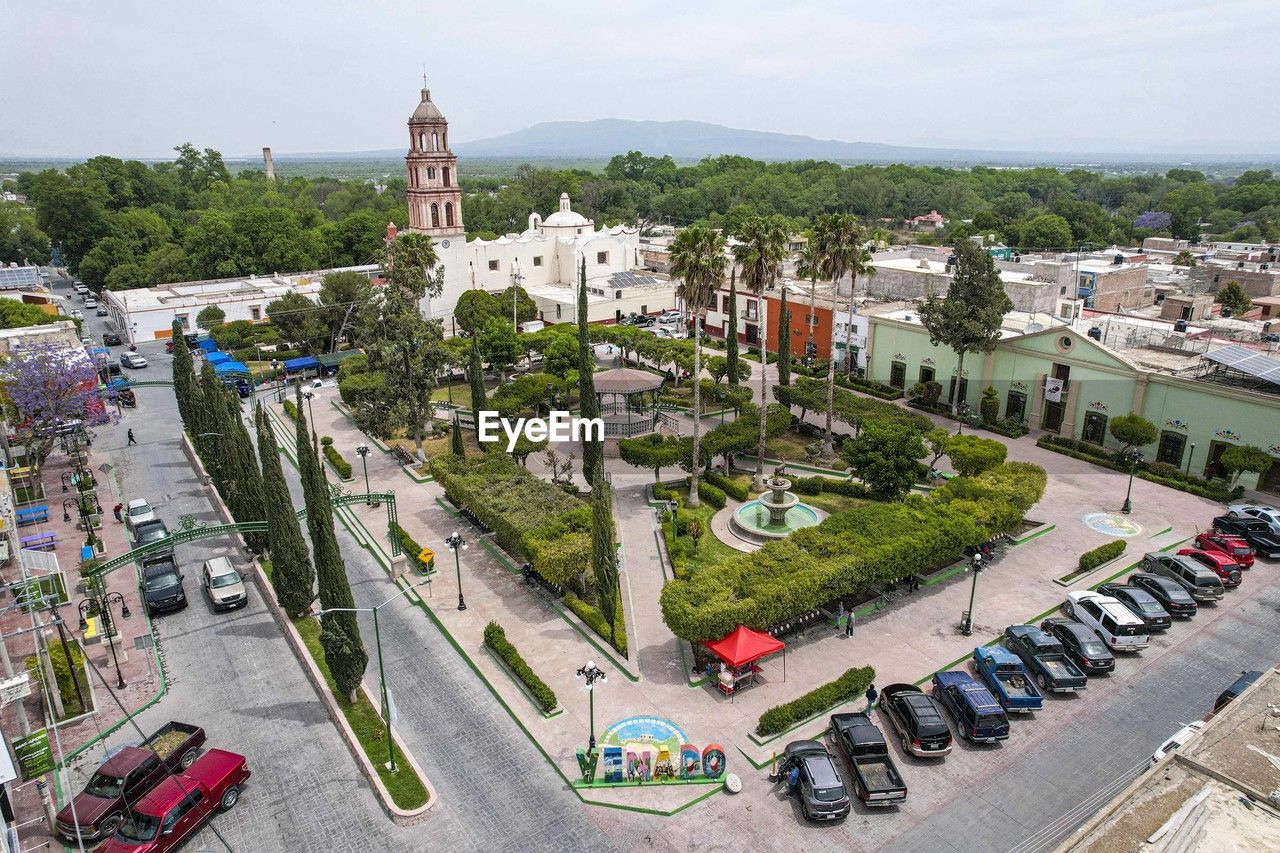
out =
column 732, row 488
column 818, row 485
column 496, row 639
column 410, row 547
column 1154, row 472
column 342, row 466
column 851, row 685
column 291, row 410
column 711, row 494
column 870, row 386
column 1091, row 559
column 594, row 620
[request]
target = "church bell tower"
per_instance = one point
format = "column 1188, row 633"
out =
column 435, row 201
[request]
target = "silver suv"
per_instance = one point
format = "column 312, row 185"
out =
column 1196, row 579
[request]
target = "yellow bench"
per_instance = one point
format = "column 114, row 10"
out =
column 92, row 631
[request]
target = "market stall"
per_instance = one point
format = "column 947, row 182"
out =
column 739, row 654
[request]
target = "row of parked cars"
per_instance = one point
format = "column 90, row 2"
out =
column 1029, row 661
column 162, row 580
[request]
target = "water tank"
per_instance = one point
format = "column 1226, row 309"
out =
column 1095, row 333
column 1179, row 325
column 1118, row 260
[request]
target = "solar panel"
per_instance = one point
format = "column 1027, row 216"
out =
column 1245, row 360
column 19, row 277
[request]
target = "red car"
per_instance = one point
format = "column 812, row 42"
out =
column 1224, row 543
column 1223, row 566
column 181, row 804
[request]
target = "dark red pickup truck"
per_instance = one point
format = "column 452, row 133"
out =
column 125, row 776
column 173, row 812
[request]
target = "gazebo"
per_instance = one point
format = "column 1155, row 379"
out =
column 739, row 651
column 632, row 405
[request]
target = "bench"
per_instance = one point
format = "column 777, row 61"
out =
column 403, row 456
column 40, row 541
column 92, row 632
column 32, row 515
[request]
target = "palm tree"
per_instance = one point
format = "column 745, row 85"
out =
column 809, row 265
column 839, row 249
column 861, row 266
column 698, row 260
column 760, row 253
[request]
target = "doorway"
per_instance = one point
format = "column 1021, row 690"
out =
column 1169, row 451
column 926, row 375
column 1213, row 467
column 1053, row 410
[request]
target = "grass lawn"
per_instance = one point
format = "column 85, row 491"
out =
column 833, row 503
column 711, row 551
column 790, row 446
column 461, row 394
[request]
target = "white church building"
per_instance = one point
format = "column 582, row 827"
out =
column 544, row 259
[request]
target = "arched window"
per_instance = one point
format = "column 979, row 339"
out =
column 444, row 139
column 431, row 173
column 435, row 215
column 422, row 139
column 444, row 172
column 448, row 214
column 435, row 141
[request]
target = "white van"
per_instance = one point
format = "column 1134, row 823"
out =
column 1117, row 625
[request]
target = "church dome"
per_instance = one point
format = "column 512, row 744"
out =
column 565, row 217
column 427, row 111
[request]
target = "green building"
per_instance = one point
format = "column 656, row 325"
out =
column 1201, row 405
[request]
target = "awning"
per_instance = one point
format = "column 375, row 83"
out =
column 229, row 367
column 207, row 345
column 744, row 646
column 303, row 363
column 216, row 358
column 331, row 359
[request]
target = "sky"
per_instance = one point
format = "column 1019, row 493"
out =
column 134, row 78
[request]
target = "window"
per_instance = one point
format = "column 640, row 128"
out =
column 617, row 294
column 558, row 306
column 182, row 320
column 255, row 312
column 811, row 319
column 1016, row 406
column 537, row 260
column 1169, row 451
column 926, row 374
column 493, row 266
column 1095, row 428
column 898, row 374
column 964, row 390
column 602, row 257
column 431, row 172
column 435, row 141
column 725, row 309
column 422, row 140
column 444, row 175
column 435, row 215
column 448, row 214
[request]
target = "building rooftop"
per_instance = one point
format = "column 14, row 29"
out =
column 228, row 289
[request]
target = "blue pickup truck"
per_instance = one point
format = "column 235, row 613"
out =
column 1004, row 673
column 978, row 716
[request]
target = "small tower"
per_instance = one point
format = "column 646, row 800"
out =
column 435, row 201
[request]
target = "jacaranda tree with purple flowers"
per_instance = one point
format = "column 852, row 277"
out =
column 48, row 385
column 1156, row 220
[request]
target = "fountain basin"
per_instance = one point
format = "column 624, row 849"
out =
column 756, row 521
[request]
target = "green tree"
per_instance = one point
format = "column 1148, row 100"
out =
column 1232, row 297
column 560, row 357
column 588, row 403
column 475, row 375
column 989, row 407
column 939, row 442
column 184, row 380
column 21, row 240
column 784, row 338
column 654, row 452
column 969, row 318
column 809, row 265
column 474, row 309
column 526, row 308
column 604, row 554
column 733, row 363
column 344, row 295
column 106, row 254
column 299, row 321
column 128, row 276
column 499, row 345
column 1184, row 259
column 292, row 575
column 886, row 457
column 972, row 455
column 456, row 446
column 210, row 317
column 1133, row 431
column 1246, row 457
column 1047, row 231
column 698, row 260
column 16, row 315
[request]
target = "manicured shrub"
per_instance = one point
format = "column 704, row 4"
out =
column 291, row 410
column 326, row 440
column 411, row 548
column 1154, row 472
column 342, row 466
column 596, row 622
column 732, row 488
column 847, row 687
column 989, row 407
column 1096, row 557
column 711, row 495
column 496, row 639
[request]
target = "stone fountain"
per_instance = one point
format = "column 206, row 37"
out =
column 774, row 515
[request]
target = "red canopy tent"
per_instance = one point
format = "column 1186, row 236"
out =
column 744, row 646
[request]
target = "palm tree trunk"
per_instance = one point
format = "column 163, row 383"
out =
column 697, row 414
column 757, row 482
column 828, row 441
column 848, row 344
column 813, row 311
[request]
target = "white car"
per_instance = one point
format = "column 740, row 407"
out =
column 132, row 359
column 77, row 314
column 1261, row 512
column 223, row 585
column 138, row 511
column 669, row 317
column 90, row 302
column 1179, row 739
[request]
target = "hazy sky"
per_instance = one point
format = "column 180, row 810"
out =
column 129, row 77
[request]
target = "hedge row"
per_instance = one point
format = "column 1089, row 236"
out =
column 818, row 485
column 711, row 495
column 731, row 487
column 291, row 410
column 870, row 386
column 595, row 620
column 496, row 639
column 1155, row 472
column 850, row 551
column 851, row 685
column 342, row 466
column 410, row 547
column 1091, row 559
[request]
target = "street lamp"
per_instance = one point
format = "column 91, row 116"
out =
column 362, row 450
column 456, row 543
column 1189, row 455
column 307, row 395
column 673, row 505
column 382, row 675
column 67, row 474
column 100, row 606
column 966, row 624
column 1133, row 456
column 592, row 674
column 66, row 513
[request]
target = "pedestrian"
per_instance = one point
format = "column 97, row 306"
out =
column 839, row 614
column 117, row 511
column 871, row 697
column 913, row 583
column 793, row 779
column 848, row 624
column 132, row 440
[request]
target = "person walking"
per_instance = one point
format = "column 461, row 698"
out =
column 848, row 624
column 872, row 695
column 117, row 511
column 132, row 440
column 839, row 614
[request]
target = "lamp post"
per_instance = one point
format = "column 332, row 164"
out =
column 1189, row 455
column 966, row 625
column 673, row 505
column 1133, row 456
column 66, row 475
column 382, row 675
column 456, row 543
column 307, row 395
column 66, row 514
column 362, row 450
column 99, row 605
column 592, row 674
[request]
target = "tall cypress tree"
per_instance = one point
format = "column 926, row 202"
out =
column 184, row 378
column 731, row 340
column 211, row 432
column 455, row 440
column 248, row 477
column 604, row 556
column 292, row 575
column 588, row 405
column 784, row 339
column 475, row 375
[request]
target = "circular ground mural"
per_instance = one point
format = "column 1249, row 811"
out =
column 1112, row 524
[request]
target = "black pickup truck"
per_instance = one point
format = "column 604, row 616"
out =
column 877, row 781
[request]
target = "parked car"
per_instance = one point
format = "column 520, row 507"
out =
column 223, row 584
column 917, row 719
column 1045, row 658
column 821, row 790
column 1226, row 568
column 162, row 589
column 1082, row 644
column 102, row 312
column 111, row 339
column 1140, row 603
column 1114, row 623
column 90, row 302
column 1004, row 673
column 669, row 317
column 978, row 716
column 1237, row 687
column 1233, row 546
column 1171, row 594
column 643, row 322
column 132, row 359
column 177, row 807
column 876, row 779
column 1179, row 739
column 138, row 512
column 1258, row 533
column 1260, row 512
column 77, row 314
column 151, row 531
column 1202, row 583
column 81, row 289
column 128, row 773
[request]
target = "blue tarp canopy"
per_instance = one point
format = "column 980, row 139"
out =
column 303, row 363
column 217, row 357
column 207, row 344
column 228, row 367
column 117, row 384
